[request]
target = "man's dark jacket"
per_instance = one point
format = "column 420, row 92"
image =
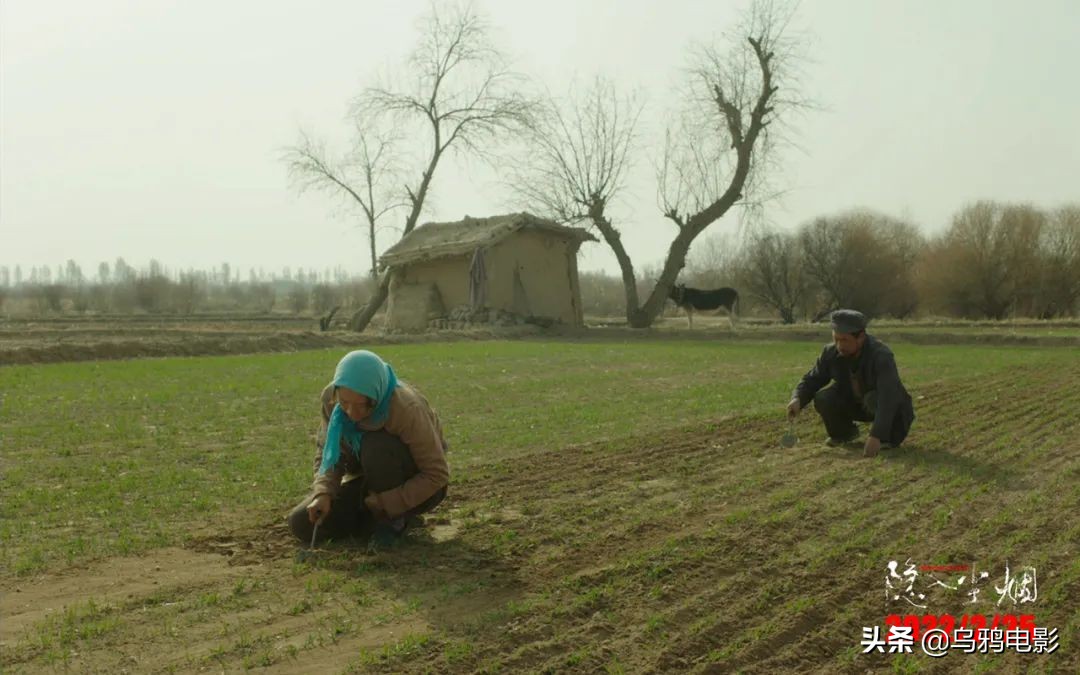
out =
column 875, row 369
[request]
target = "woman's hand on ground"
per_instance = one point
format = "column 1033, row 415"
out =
column 373, row 506
column 318, row 509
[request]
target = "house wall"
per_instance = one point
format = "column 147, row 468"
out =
column 542, row 265
column 546, row 266
column 450, row 276
column 412, row 306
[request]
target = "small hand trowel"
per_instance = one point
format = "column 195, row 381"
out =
column 306, row 555
column 789, row 439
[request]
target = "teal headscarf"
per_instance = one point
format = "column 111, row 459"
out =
column 367, row 374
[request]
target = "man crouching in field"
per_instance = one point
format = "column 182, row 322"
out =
column 866, row 387
column 382, row 457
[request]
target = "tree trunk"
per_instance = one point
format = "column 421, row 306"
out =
column 644, row 316
column 614, row 241
column 676, row 260
column 360, row 320
column 363, row 316
column 371, row 238
column 628, row 279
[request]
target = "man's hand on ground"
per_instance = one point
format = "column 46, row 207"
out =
column 793, row 409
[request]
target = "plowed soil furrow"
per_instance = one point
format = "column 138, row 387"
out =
column 1024, row 418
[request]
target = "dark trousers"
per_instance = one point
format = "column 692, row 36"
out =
column 386, row 464
column 839, row 413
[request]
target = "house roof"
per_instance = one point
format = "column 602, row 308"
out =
column 440, row 240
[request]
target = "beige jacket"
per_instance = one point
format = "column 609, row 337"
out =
column 413, row 420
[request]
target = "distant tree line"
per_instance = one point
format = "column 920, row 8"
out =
column 993, row 261
column 155, row 289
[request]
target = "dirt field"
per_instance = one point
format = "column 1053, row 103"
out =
column 688, row 542
column 84, row 339
column 58, row 341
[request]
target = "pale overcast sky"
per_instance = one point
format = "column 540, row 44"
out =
column 150, row 129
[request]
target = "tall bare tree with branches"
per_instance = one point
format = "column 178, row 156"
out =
column 464, row 95
column 863, row 260
column 714, row 155
column 773, row 272
column 580, row 158
column 365, row 177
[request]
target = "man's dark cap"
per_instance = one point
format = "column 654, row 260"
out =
column 848, row 321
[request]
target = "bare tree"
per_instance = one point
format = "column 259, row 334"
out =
column 464, row 96
column 964, row 271
column 712, row 157
column 773, row 272
column 189, row 292
column 1061, row 263
column 366, row 176
column 862, row 260
column 1022, row 227
column 829, row 262
column 580, row 157
column 299, row 299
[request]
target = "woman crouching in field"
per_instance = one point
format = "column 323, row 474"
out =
column 383, row 456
